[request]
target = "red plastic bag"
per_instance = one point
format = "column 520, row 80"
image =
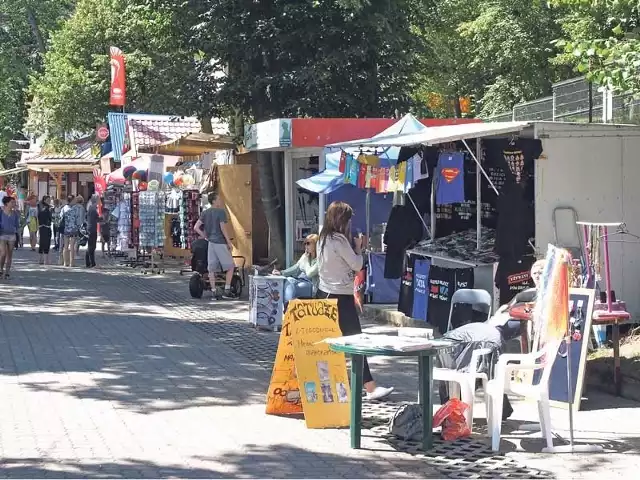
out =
column 451, row 417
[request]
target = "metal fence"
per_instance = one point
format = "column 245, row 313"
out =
column 576, row 100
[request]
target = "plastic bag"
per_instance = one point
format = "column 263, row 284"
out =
column 451, row 417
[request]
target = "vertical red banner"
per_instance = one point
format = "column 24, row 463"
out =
column 117, row 93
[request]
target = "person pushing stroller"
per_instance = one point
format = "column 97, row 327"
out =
column 213, row 225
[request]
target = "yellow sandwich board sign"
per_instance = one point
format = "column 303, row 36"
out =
column 308, row 376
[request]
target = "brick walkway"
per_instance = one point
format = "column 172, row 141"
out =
column 109, row 373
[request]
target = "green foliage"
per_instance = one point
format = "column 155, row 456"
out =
column 316, row 58
column 496, row 51
column 72, row 92
column 24, row 29
column 601, row 40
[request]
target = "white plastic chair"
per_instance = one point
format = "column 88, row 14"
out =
column 472, row 296
column 464, row 383
column 502, row 383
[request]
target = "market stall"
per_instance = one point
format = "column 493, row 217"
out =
column 523, row 171
column 350, row 171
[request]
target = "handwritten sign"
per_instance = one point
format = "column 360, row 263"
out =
column 322, row 373
column 283, row 397
column 308, row 376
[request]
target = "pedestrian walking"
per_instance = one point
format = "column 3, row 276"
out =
column 45, row 220
column 32, row 220
column 9, row 225
column 72, row 216
column 57, row 208
column 92, row 231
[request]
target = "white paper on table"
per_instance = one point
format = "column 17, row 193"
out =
column 388, row 342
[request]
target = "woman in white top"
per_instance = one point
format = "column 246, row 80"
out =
column 338, row 264
column 302, row 278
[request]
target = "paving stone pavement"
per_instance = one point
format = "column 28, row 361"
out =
column 109, row 373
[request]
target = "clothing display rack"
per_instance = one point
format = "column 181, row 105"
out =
column 607, row 309
column 151, row 206
column 189, row 214
column 113, row 199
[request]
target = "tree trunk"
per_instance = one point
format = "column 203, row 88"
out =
column 457, row 110
column 35, row 30
column 272, row 207
column 205, row 124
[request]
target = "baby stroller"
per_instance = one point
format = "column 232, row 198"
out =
column 83, row 236
column 199, row 281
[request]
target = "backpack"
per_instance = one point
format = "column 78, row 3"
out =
column 406, row 423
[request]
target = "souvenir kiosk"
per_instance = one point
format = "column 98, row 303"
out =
column 499, row 193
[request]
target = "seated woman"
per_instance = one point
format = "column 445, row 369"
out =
column 492, row 334
column 302, row 281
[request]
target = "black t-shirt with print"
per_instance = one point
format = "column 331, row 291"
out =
column 515, row 212
column 513, row 277
column 443, row 282
column 405, row 301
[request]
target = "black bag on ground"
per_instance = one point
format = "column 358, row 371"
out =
column 406, row 423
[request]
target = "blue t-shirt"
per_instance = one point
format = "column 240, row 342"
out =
column 450, row 178
column 420, row 285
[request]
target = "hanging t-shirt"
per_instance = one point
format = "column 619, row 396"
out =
column 392, row 181
column 450, row 178
column 513, row 277
column 420, row 287
column 368, row 176
column 405, row 301
column 443, row 282
column 408, row 183
column 441, row 288
column 373, row 182
column 343, row 161
column 420, row 170
column 362, row 175
column 515, row 222
column 352, row 170
column 402, row 176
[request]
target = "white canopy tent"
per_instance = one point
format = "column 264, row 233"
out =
column 445, row 134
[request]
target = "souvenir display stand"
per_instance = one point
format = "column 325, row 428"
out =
column 189, row 213
column 115, row 200
column 151, row 234
column 266, row 301
column 608, row 310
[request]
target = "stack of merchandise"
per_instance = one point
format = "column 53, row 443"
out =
column 151, row 216
column 123, row 226
column 189, row 215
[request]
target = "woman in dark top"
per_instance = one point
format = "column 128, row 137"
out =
column 45, row 219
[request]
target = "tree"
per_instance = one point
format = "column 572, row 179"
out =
column 25, row 26
column 496, row 51
column 304, row 57
column 72, row 92
column 600, row 39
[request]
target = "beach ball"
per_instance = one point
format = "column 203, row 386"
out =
column 128, row 171
column 187, row 180
column 142, row 186
column 168, row 178
column 154, row 185
column 140, row 175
